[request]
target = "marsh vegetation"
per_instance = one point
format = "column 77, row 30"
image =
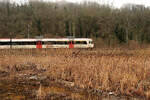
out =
column 100, row 72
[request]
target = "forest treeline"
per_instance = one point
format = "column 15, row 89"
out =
column 89, row 19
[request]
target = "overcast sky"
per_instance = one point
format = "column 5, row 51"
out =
column 116, row 3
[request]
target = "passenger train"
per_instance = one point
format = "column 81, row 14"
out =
column 46, row 43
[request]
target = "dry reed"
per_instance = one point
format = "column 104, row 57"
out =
column 121, row 71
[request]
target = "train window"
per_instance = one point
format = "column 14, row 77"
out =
column 58, row 42
column 23, row 43
column 4, row 43
column 47, row 42
column 65, row 42
column 18, row 43
column 80, row 42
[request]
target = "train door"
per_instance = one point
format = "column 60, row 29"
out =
column 71, row 44
column 39, row 45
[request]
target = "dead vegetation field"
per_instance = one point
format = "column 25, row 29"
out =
column 116, row 71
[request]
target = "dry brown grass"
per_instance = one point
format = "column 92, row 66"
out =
column 121, row 71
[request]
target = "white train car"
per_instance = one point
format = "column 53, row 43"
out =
column 46, row 43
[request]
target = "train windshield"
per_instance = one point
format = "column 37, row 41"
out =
column 90, row 42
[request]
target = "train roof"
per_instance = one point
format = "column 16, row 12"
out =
column 45, row 39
